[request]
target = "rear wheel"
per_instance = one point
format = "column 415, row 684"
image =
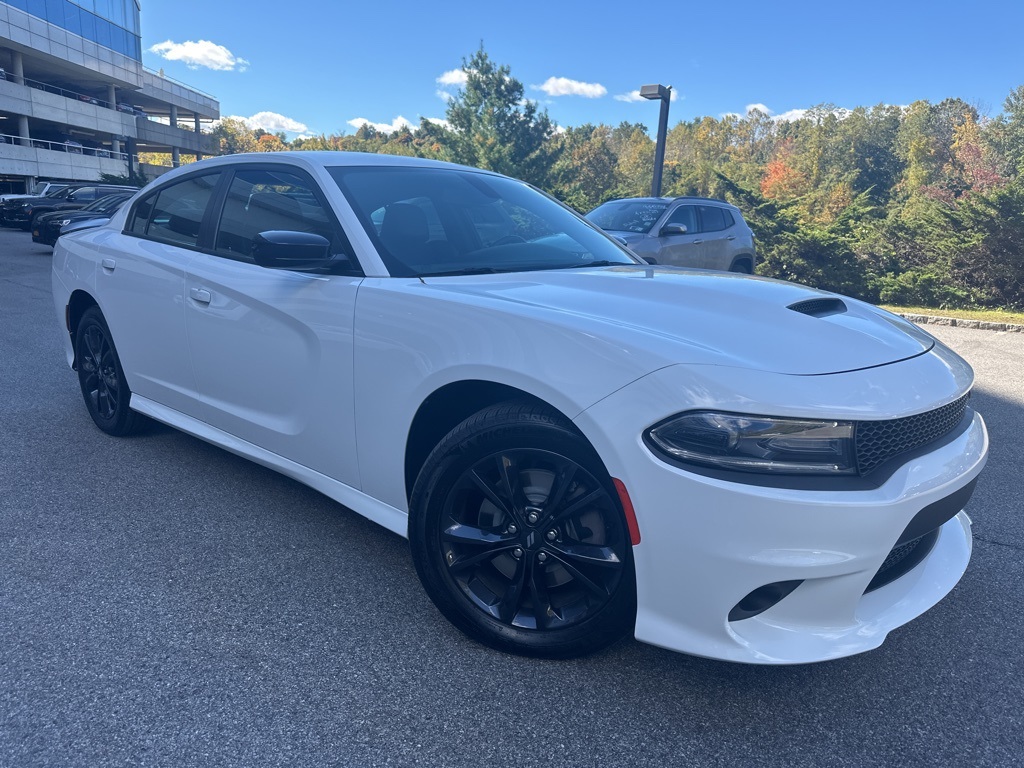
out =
column 518, row 536
column 101, row 378
column 743, row 267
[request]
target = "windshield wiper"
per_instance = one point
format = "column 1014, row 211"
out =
column 466, row 271
column 598, row 263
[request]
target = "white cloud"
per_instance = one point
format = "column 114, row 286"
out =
column 438, row 121
column 633, row 96
column 757, row 108
column 453, row 77
column 272, row 122
column 399, row 123
column 444, row 95
column 563, row 86
column 203, row 53
column 790, row 116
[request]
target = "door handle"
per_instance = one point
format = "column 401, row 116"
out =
column 731, row 237
column 200, row 295
column 695, row 242
column 108, row 264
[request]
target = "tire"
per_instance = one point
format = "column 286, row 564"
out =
column 742, row 267
column 101, row 377
column 518, row 536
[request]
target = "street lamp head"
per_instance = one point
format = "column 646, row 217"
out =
column 656, row 92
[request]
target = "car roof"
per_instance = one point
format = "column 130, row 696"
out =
column 667, row 200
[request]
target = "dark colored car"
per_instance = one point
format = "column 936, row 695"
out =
column 22, row 212
column 47, row 227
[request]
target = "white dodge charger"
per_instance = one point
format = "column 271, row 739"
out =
column 577, row 444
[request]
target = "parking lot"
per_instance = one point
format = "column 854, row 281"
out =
column 163, row 602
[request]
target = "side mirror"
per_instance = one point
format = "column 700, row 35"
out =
column 284, row 249
column 649, row 259
column 673, row 229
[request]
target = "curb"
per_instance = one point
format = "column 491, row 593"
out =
column 959, row 322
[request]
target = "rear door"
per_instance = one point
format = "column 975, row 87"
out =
column 142, row 278
column 272, row 349
column 715, row 224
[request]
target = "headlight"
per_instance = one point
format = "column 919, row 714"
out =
column 756, row 443
column 63, row 222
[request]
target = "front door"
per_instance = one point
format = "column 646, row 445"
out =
column 272, row 349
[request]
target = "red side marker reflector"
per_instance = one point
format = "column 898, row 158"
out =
column 627, row 507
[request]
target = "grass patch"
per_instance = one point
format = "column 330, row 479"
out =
column 990, row 315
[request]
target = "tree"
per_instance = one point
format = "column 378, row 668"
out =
column 234, row 136
column 494, row 127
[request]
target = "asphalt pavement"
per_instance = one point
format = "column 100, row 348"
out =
column 165, row 603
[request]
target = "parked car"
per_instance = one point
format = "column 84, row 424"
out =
column 41, row 189
column 47, row 227
column 22, row 212
column 578, row 445
column 682, row 231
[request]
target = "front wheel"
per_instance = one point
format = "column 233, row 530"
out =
column 101, row 377
column 519, row 538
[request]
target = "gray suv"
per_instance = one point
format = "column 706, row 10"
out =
column 681, row 231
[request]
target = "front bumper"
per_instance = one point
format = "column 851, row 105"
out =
column 706, row 542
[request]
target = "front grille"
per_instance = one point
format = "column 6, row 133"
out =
column 879, row 441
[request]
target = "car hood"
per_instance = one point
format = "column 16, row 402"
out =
column 703, row 317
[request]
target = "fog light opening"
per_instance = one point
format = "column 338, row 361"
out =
column 762, row 598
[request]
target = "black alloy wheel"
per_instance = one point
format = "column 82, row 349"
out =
column 519, row 538
column 101, row 378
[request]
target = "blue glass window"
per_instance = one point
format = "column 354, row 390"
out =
column 73, row 19
column 102, row 32
column 55, row 12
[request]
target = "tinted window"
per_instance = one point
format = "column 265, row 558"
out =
column 83, row 194
column 263, row 200
column 729, row 220
column 687, row 215
column 175, row 213
column 712, row 219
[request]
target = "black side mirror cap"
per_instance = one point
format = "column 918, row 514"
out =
column 285, row 249
column 673, row 229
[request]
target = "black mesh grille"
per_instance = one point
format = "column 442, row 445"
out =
column 818, row 307
column 879, row 441
column 902, row 559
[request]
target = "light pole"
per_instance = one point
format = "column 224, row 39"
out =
column 664, row 93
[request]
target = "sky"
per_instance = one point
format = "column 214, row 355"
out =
column 325, row 66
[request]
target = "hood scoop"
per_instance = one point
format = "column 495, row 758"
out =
column 819, row 307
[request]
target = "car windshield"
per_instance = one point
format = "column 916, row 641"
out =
column 437, row 221
column 39, row 188
column 627, row 215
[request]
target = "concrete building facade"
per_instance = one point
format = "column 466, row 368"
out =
column 75, row 100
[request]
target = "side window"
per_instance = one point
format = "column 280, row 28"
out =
column 686, row 215
column 83, row 195
column 262, row 200
column 142, row 214
column 712, row 218
column 729, row 220
column 176, row 214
